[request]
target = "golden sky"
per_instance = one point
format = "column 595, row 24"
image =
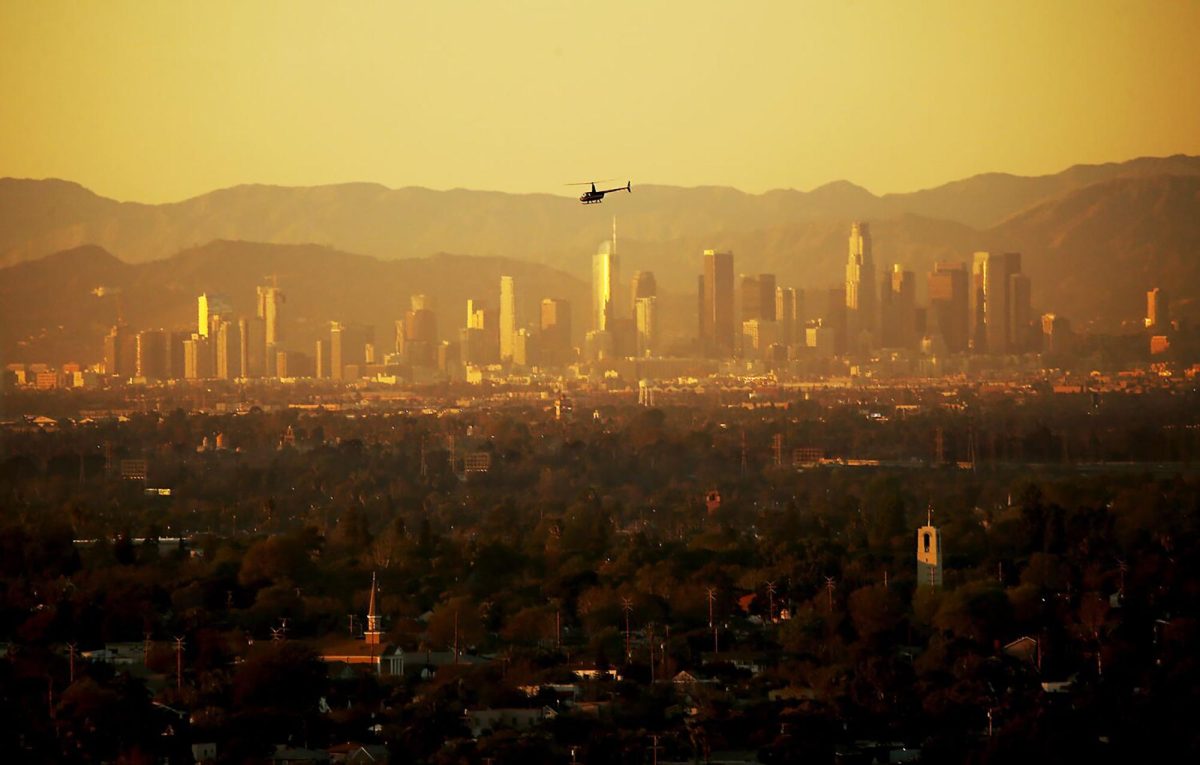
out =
column 155, row 102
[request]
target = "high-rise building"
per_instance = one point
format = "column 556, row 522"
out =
column 758, row 297
column 226, row 354
column 1158, row 310
column 555, row 326
column 1056, row 334
column 604, row 280
column 209, row 306
column 270, row 298
column 417, row 335
column 243, row 366
column 949, row 308
column 899, row 308
column 1020, row 313
column 336, row 361
column 644, row 285
column 508, row 317
column 787, row 313
column 717, row 322
column 475, row 313
column 348, row 349
column 152, row 354
column 991, row 273
column 120, row 352
column 646, row 321
column 835, row 319
column 175, row 353
column 758, row 335
column 197, row 357
column 524, row 349
column 862, row 306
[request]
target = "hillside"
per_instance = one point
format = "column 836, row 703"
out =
column 41, row 217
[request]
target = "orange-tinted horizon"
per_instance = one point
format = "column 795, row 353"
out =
column 159, row 101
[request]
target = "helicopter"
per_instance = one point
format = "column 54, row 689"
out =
column 596, row 196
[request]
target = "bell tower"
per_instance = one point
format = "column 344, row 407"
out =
column 372, row 634
column 929, row 553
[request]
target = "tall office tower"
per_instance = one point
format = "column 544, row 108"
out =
column 644, row 285
column 508, row 317
column 646, row 322
column 991, row 275
column 416, row 333
column 1020, row 313
column 210, row 305
column 899, row 309
column 758, row 297
column 604, row 280
column 556, row 331
column 270, row 297
column 197, row 357
column 1158, row 310
column 175, row 359
column 751, row 298
column 929, row 555
column 525, row 350
column 949, row 308
column 350, row 347
column 336, row 339
column 787, row 313
column 717, row 316
column 758, row 335
column 862, row 305
column 836, row 319
column 152, row 354
column 120, row 352
column 225, row 350
column 475, row 313
column 1056, row 334
column 243, row 366
column 320, row 362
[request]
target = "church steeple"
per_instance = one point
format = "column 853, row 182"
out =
column 372, row 633
column 929, row 552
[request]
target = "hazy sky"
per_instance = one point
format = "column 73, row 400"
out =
column 158, row 101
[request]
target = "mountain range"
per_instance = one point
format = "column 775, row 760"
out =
column 1093, row 239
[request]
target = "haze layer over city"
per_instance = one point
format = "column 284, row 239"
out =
column 621, row 382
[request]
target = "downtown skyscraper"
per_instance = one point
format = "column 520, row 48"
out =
column 862, row 304
column 605, row 269
column 717, row 320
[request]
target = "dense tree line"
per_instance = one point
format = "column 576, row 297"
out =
column 584, row 529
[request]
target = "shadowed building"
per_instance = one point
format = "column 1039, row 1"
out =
column 949, row 308
column 717, row 326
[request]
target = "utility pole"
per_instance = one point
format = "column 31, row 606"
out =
column 771, row 602
column 829, row 587
column 712, row 599
column 179, row 663
column 654, row 750
column 627, row 607
column 650, row 643
column 71, row 653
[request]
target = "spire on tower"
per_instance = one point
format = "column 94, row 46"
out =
column 372, row 633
